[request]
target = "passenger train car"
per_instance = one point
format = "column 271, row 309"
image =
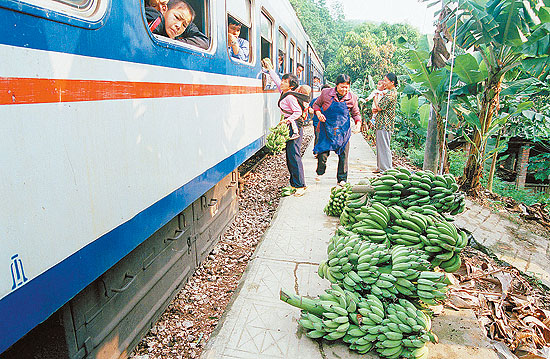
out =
column 119, row 156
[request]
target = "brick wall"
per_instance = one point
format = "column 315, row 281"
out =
column 523, row 162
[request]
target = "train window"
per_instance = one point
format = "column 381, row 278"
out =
column 79, row 4
column 266, row 51
column 90, row 10
column 281, row 54
column 239, row 25
column 291, row 56
column 183, row 21
column 266, row 29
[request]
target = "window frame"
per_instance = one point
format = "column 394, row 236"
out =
column 251, row 33
column 93, row 17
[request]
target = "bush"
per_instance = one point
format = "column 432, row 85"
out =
column 398, row 148
column 416, row 156
column 457, row 162
column 521, row 195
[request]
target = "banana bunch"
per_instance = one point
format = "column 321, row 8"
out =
column 332, row 316
column 276, row 139
column 399, row 185
column 445, row 244
column 352, row 209
column 404, row 332
column 431, row 287
column 338, row 197
column 407, row 264
column 422, row 227
column 353, row 262
column 372, row 222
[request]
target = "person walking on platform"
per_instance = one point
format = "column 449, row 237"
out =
column 384, row 123
column 292, row 111
column 335, row 107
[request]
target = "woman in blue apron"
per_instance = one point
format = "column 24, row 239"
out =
column 335, row 108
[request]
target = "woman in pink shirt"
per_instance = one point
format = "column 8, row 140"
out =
column 292, row 111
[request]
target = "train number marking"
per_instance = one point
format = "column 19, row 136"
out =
column 17, row 272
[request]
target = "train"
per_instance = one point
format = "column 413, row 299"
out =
column 119, row 157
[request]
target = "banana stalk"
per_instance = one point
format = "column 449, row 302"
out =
column 309, row 305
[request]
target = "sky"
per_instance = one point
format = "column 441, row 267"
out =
column 412, row 12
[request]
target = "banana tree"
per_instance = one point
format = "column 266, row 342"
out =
column 430, row 82
column 468, row 106
column 507, row 35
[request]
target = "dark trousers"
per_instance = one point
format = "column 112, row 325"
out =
column 294, row 161
column 342, row 174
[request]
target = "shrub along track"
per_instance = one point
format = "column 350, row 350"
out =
column 184, row 328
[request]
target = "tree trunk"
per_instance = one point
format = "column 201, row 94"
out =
column 431, row 159
column 470, row 181
column 441, row 144
column 494, row 163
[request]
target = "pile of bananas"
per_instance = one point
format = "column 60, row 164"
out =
column 365, row 323
column 381, row 263
column 419, row 188
column 338, row 197
column 276, row 139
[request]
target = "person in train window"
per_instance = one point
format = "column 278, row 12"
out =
column 176, row 23
column 160, row 5
column 281, row 62
column 291, row 104
column 316, row 82
column 335, row 107
column 299, row 70
column 238, row 47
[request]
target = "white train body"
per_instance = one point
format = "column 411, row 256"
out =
column 109, row 132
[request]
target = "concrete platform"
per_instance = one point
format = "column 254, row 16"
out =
column 258, row 325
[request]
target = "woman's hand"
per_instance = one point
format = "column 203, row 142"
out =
column 320, row 116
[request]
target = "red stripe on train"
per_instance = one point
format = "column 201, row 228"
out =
column 17, row 91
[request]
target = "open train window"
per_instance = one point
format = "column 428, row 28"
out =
column 183, row 21
column 281, row 52
column 239, row 25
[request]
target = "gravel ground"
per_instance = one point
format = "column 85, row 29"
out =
column 184, row 328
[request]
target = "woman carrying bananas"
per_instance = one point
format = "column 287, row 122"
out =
column 384, row 123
